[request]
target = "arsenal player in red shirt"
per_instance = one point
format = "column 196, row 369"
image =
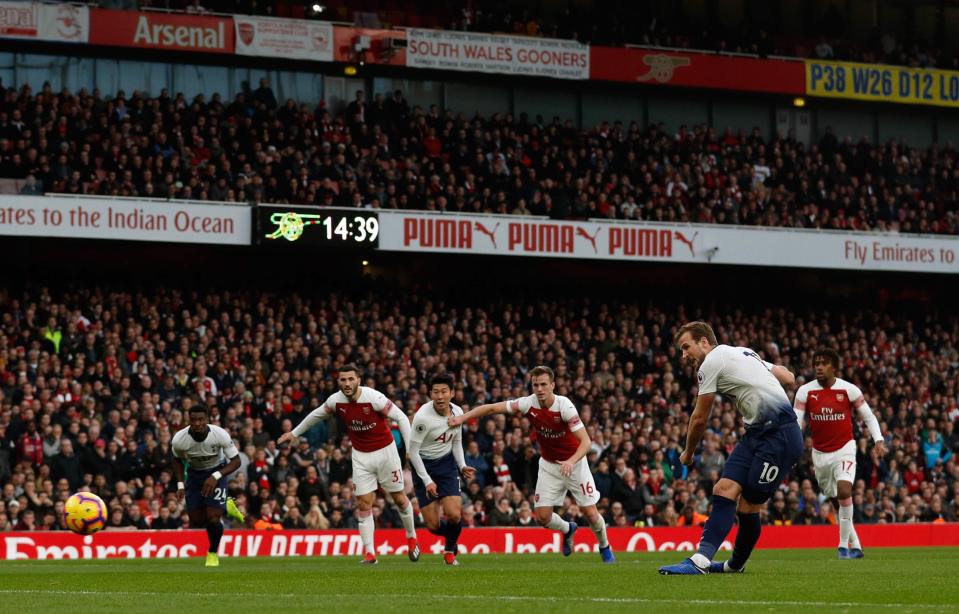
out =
column 563, row 445
column 829, row 402
column 376, row 460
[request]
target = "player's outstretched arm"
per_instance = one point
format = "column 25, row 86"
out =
column 697, row 426
column 306, row 424
column 478, row 412
column 465, row 470
column 403, row 422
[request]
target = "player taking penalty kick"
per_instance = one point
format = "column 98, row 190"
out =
column 376, row 460
column 829, row 403
column 771, row 446
column 210, row 456
column 436, row 453
column 563, row 445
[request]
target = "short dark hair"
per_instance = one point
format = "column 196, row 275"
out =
column 442, row 378
column 349, row 367
column 698, row 329
column 542, row 370
column 198, row 409
column 831, row 356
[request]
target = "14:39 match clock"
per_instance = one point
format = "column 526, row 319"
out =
column 316, row 226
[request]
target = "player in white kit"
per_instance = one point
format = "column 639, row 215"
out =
column 376, row 461
column 758, row 464
column 829, row 403
column 210, row 456
column 436, row 453
column 563, row 445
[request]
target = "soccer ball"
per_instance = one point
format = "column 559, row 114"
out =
column 85, row 513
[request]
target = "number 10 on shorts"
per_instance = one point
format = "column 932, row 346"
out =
column 768, row 474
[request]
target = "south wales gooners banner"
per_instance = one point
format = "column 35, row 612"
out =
column 20, row 545
column 508, row 235
column 493, row 53
column 880, row 83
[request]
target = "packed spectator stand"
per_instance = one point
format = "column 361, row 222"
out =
column 383, row 153
column 94, row 381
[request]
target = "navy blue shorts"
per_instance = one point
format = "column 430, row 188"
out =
column 444, row 473
column 194, row 485
column 761, row 460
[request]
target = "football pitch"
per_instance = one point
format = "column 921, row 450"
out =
column 902, row 579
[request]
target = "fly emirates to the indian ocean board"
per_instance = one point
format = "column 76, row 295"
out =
column 130, row 219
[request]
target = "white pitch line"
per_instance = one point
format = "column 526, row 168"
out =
column 527, row 598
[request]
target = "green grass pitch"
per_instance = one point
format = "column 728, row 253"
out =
column 901, row 579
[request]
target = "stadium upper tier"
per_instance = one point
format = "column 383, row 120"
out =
column 385, row 154
column 94, row 381
column 815, row 32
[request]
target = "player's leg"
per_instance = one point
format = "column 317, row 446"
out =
column 365, row 484
column 408, row 519
column 214, row 506
column 390, row 476
column 780, row 450
column 453, row 510
column 365, row 524
column 844, row 474
column 550, row 493
column 726, row 493
column 586, row 495
column 750, row 528
column 428, row 507
column 431, row 518
column 844, row 496
column 445, row 475
column 824, row 466
column 195, row 501
column 197, row 518
column 214, row 532
column 598, row 524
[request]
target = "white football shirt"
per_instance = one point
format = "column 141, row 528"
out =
column 430, row 431
column 207, row 454
column 739, row 373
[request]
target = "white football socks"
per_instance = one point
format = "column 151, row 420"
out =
column 406, row 515
column 599, row 529
column 365, row 522
column 558, row 524
column 847, row 531
column 853, row 536
column 700, row 560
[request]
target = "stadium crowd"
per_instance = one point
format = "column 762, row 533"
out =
column 94, row 382
column 383, row 153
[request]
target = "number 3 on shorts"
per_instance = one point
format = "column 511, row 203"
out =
column 396, row 476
